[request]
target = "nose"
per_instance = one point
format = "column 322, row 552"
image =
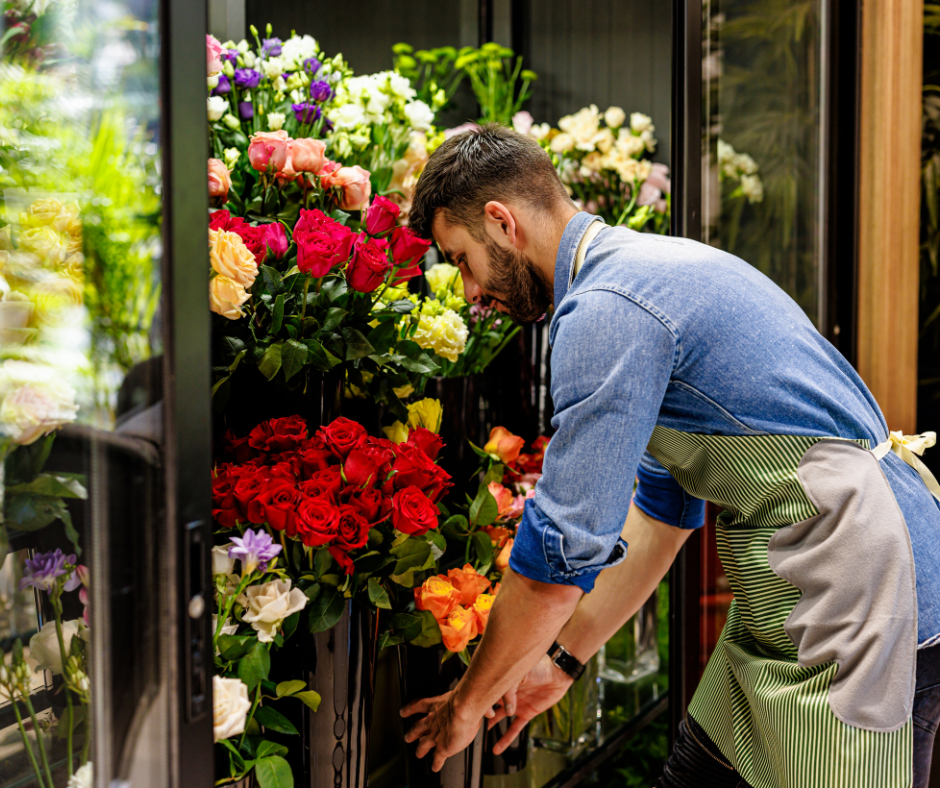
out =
column 471, row 290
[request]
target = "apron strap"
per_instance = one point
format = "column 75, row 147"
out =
column 589, row 235
column 908, row 447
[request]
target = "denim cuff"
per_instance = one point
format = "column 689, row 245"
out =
column 662, row 499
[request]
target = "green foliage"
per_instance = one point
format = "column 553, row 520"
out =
column 500, row 84
column 433, row 72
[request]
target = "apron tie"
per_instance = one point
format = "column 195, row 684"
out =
column 908, row 448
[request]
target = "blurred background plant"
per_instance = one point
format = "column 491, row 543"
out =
column 433, row 72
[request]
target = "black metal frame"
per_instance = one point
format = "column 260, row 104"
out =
column 187, row 390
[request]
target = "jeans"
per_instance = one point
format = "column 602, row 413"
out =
column 697, row 763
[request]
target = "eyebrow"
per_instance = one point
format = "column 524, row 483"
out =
column 448, row 255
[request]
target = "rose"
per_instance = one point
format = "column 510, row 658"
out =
column 438, row 596
column 522, row 122
column 213, row 56
column 226, row 297
column 277, row 435
column 459, row 629
column 267, row 150
column 221, row 563
column 502, row 560
column 35, row 409
column 312, row 220
column 412, row 512
column 248, row 488
column 504, row 444
column 317, row 522
column 354, row 184
column 413, row 468
column 223, row 220
column 342, row 436
column 382, row 216
column 323, row 484
column 268, row 604
column 230, row 707
column 407, row 251
column 44, row 645
column 219, row 181
column 320, row 250
column 481, row 610
column 231, row 258
column 314, row 456
column 361, row 469
column 371, row 504
column 368, row 266
column 503, row 498
column 614, row 117
column 468, row 582
column 307, row 155
column 276, row 505
column 223, row 500
column 264, row 238
column 497, row 534
column 353, row 529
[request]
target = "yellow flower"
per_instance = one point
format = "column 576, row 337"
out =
column 232, row 259
column 45, row 242
column 425, row 413
column 397, row 433
column 44, row 212
column 445, row 277
column 226, row 297
column 404, row 391
column 441, row 330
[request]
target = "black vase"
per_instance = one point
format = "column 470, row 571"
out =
column 513, row 758
column 339, row 664
column 463, row 419
column 422, row 674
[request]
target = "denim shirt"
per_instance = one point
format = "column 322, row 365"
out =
column 668, row 331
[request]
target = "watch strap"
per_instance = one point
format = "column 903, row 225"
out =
column 565, row 661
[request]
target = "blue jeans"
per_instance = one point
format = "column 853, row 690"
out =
column 696, row 762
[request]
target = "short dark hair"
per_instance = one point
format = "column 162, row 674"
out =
column 485, row 163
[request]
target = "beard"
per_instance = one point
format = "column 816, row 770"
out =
column 515, row 275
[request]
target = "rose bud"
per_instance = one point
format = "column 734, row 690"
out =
column 368, row 267
column 502, row 560
column 267, row 150
column 438, row 596
column 381, row 216
column 219, row 182
column 504, row 444
column 407, row 251
column 307, row 155
column 459, row 629
column 481, row 609
column 503, row 497
column 274, row 238
column 468, row 582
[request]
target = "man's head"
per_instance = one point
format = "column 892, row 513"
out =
column 491, row 199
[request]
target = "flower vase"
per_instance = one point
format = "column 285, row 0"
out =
column 513, row 759
column 633, row 653
column 339, row 664
column 463, row 419
column 422, row 673
column 571, row 724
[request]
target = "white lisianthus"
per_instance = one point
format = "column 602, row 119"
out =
column 232, row 122
column 273, row 67
column 745, row 163
column 230, row 707
column 231, row 156
column 221, row 563
column 342, row 145
column 242, row 46
column 35, row 401
column 247, row 58
column 752, row 188
column 400, row 86
column 212, row 82
column 228, row 69
column 268, row 604
column 640, row 122
column 276, row 120
column 298, row 80
column 419, row 115
column 614, row 117
column 297, row 49
column 348, row 116
column 44, row 645
column 628, row 144
column 360, row 139
column 649, row 141
column 83, row 777
column 217, row 107
column 279, row 84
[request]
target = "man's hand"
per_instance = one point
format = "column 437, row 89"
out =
column 444, row 729
column 541, row 689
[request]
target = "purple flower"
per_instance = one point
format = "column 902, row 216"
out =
column 305, row 112
column 271, row 47
column 231, row 55
column 247, row 78
column 223, row 87
column 44, row 568
column 321, row 91
column 327, row 124
column 254, row 549
column 245, row 110
column 311, row 65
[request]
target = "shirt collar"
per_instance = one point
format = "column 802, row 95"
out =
column 567, row 249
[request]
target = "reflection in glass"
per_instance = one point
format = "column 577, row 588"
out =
column 80, row 385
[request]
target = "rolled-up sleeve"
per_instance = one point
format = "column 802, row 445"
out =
column 611, row 362
column 659, row 495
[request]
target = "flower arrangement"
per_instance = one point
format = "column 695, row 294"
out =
column 739, row 171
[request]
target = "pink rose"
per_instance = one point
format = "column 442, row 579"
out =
column 275, row 238
column 312, row 220
column 268, row 150
column 306, row 155
column 213, row 55
column 659, row 177
column 382, row 216
column 408, row 250
column 320, row 250
column 460, row 129
column 355, row 185
column 368, row 267
column 522, row 122
column 219, row 182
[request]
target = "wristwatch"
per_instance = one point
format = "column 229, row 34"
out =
column 564, row 661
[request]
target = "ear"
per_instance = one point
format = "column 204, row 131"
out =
column 500, row 224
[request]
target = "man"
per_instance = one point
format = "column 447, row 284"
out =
column 684, row 368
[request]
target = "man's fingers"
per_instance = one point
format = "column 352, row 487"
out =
column 417, row 731
column 421, row 706
column 425, row 746
column 489, row 713
column 439, row 759
column 497, row 718
column 514, row 730
column 509, row 702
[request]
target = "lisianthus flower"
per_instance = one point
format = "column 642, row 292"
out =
column 247, row 78
column 306, row 112
column 271, row 47
column 321, row 91
column 255, row 549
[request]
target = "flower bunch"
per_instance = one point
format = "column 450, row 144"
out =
column 602, row 160
column 34, row 402
column 460, row 603
column 739, row 171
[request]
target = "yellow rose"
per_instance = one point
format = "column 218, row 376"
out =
column 397, row 433
column 425, row 413
column 44, row 212
column 232, row 259
column 404, row 391
column 45, row 242
column 226, row 297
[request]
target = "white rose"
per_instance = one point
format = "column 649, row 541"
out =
column 640, row 122
column 83, row 778
column 268, row 604
column 562, row 143
column 348, row 116
column 221, row 563
column 540, row 131
column 230, row 707
column 35, row 409
column 273, row 67
column 614, row 117
column 419, row 115
column 44, row 645
column 217, row 107
column 276, row 120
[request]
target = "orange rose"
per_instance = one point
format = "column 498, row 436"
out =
column 502, row 560
column 497, row 534
column 459, row 629
column 468, row 582
column 354, row 181
column 481, row 609
column 437, row 596
column 495, row 589
column 267, row 151
column 219, row 182
column 503, row 496
column 504, row 444
column 306, row 154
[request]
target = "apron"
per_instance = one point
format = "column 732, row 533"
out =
column 811, row 684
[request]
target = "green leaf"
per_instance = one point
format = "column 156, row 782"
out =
column 411, row 554
column 334, row 316
column 273, row 720
column 255, row 665
column 437, row 539
column 293, row 358
column 423, row 365
column 272, row 278
column 455, row 525
column 233, row 647
column 70, row 532
column 310, row 698
column 341, row 216
column 383, row 336
column 479, row 451
column 464, row 657
column 290, row 624
column 320, row 357
column 378, row 596
column 494, row 474
column 277, row 319
column 289, row 687
column 430, row 634
column 31, row 512
column 484, row 508
column 357, row 346
column 232, row 346
column 59, row 485
column 325, row 610
column 403, row 307
column 387, row 639
column 266, row 748
column 322, row 561
column 483, row 547
column 273, row 772
column 271, row 361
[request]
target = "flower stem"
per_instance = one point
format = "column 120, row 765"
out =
column 86, row 745
column 68, row 695
column 26, row 744
column 42, row 747
column 251, row 715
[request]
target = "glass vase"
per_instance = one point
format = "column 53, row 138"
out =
column 571, row 724
column 633, row 652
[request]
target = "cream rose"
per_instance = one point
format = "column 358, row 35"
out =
column 230, row 707
column 231, row 258
column 268, row 604
column 561, row 143
column 226, row 297
column 640, row 122
column 35, row 401
column 221, row 563
column 44, row 645
column 614, row 117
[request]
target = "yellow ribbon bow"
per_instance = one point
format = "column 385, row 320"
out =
column 908, row 448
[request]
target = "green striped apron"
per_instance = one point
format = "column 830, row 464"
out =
column 769, row 713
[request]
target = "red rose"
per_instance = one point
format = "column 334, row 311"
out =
column 368, row 266
column 344, row 561
column 277, row 435
column 311, row 220
column 238, row 448
column 370, row 503
column 223, row 486
column 353, row 529
column 283, row 470
column 250, row 487
column 382, row 216
column 425, row 440
column 407, row 251
column 223, row 220
column 312, row 457
column 318, row 251
column 316, row 522
column 276, row 506
column 413, row 468
column 412, row 512
column 226, row 518
column 361, row 469
column 342, row 436
column 323, row 484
